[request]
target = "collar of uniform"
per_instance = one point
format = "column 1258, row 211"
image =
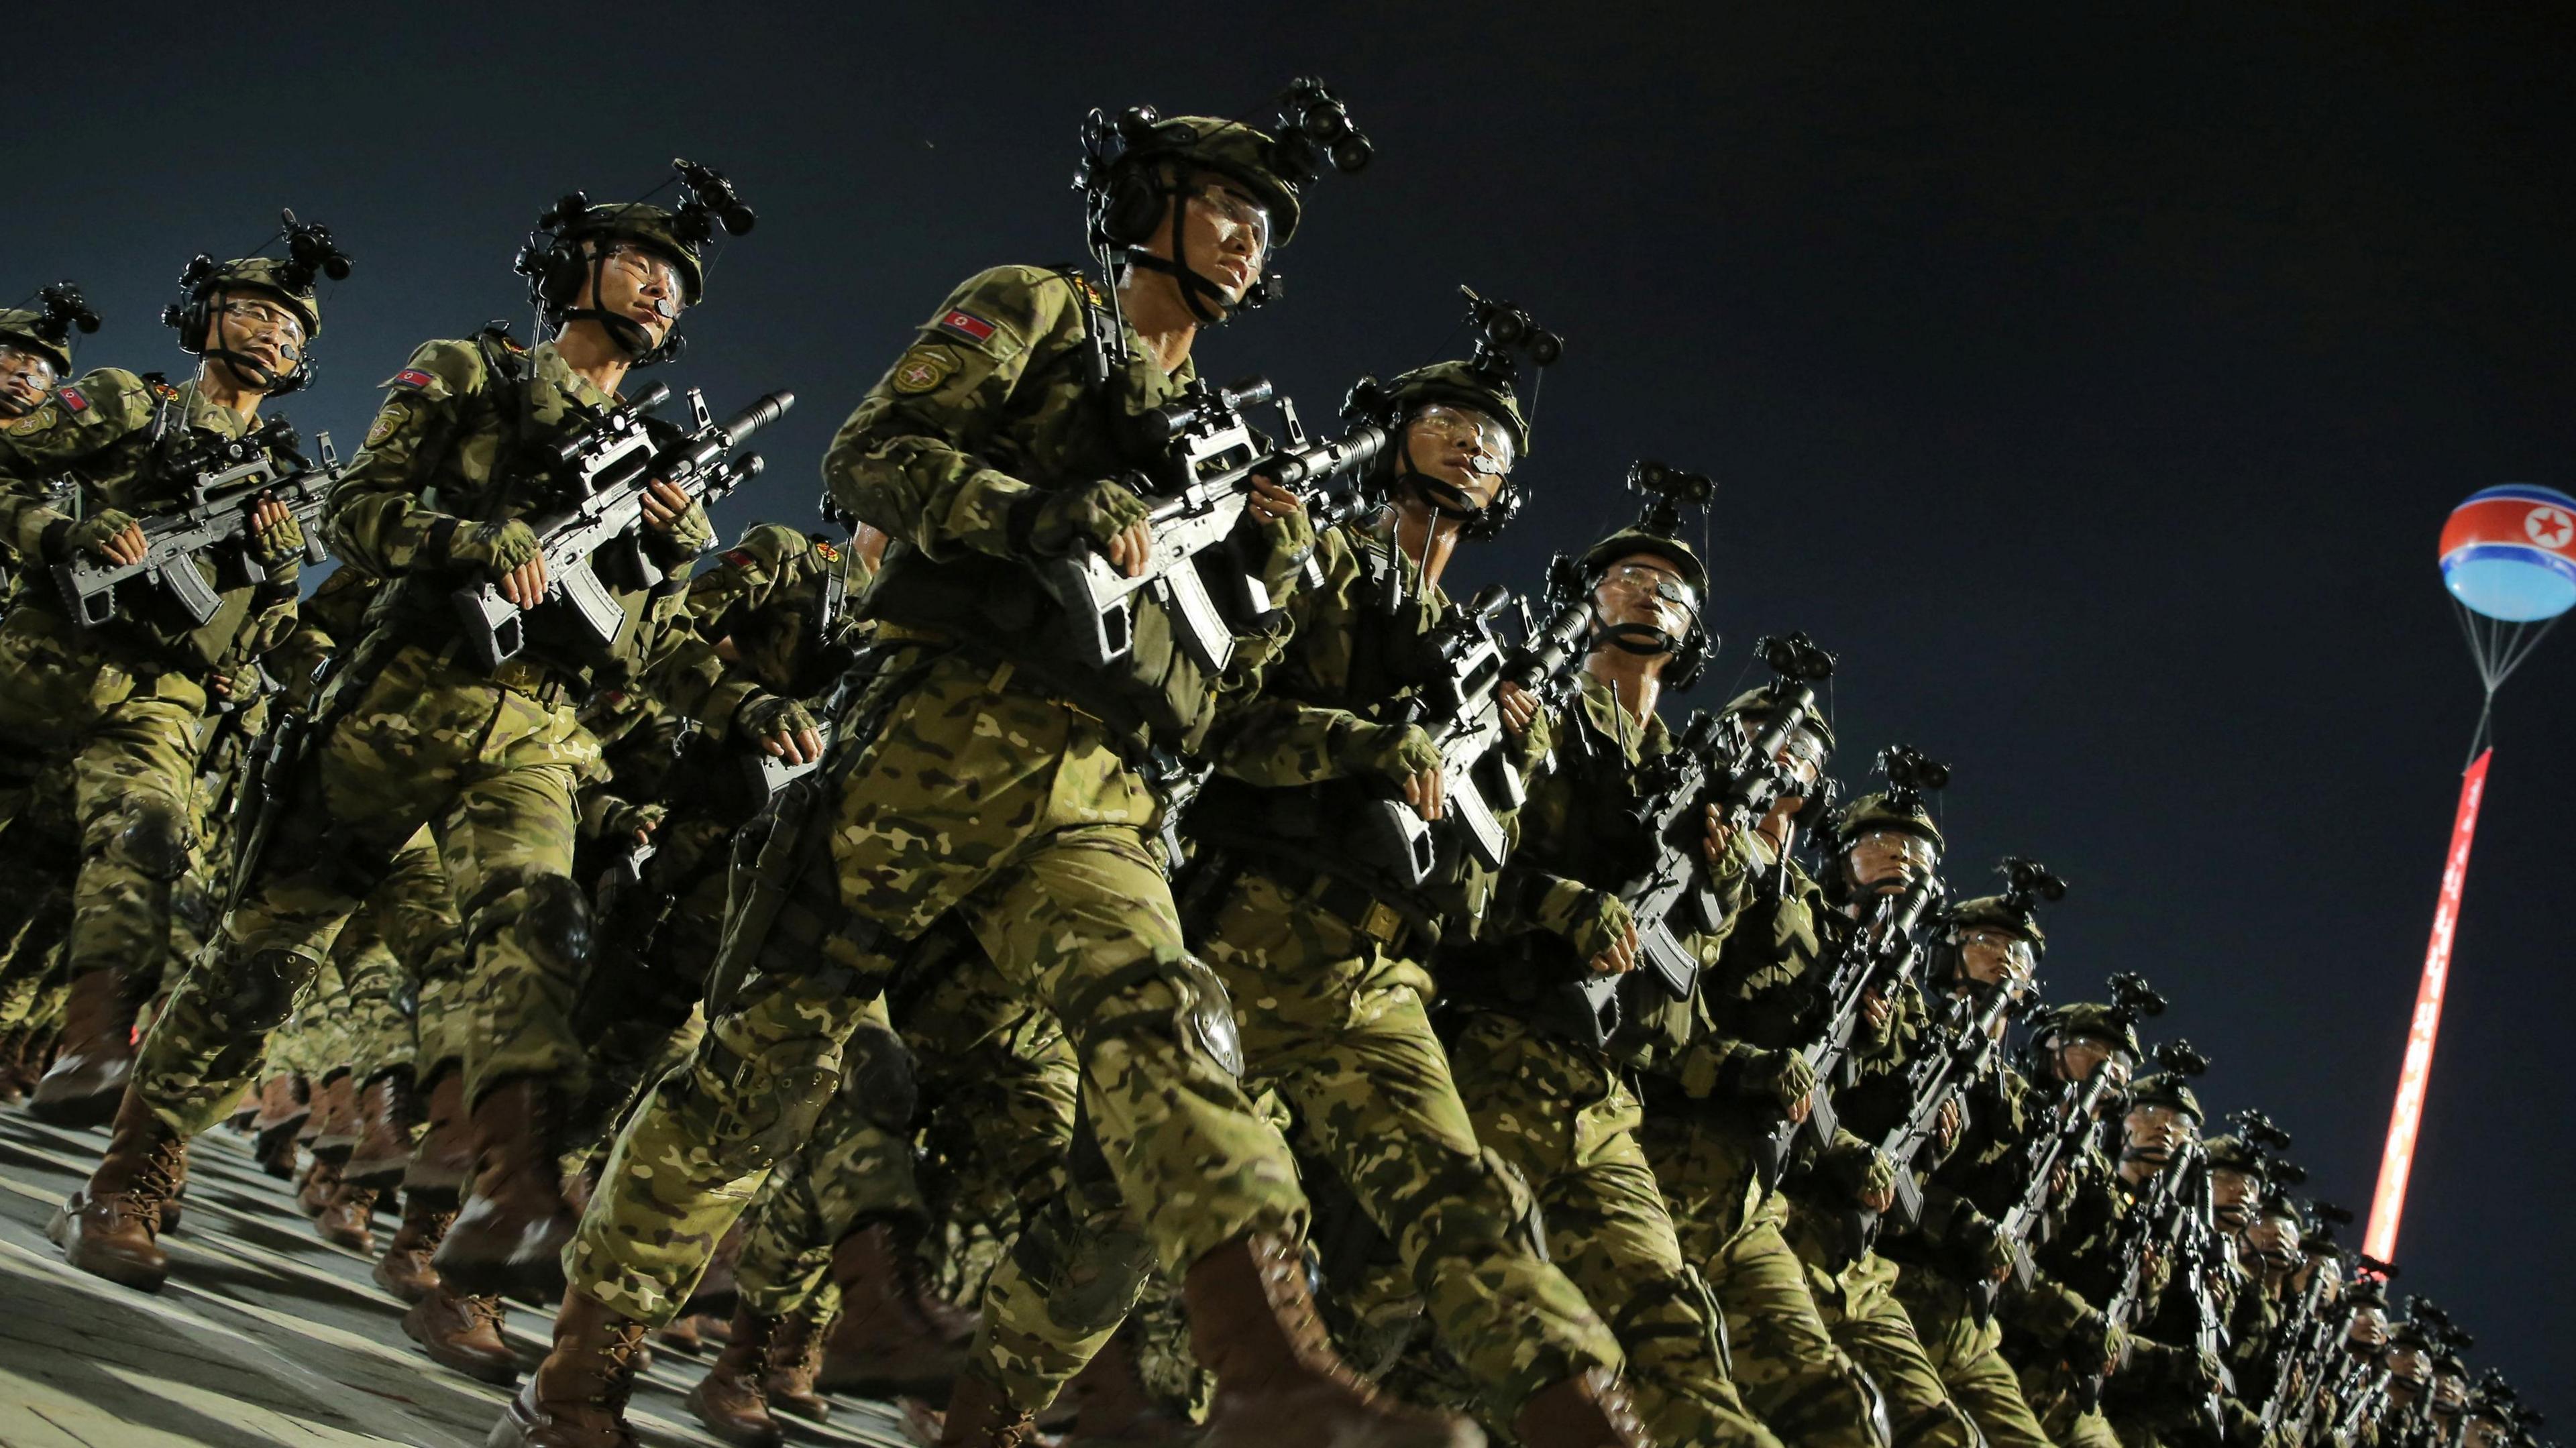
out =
column 1612, row 719
column 546, row 365
column 206, row 416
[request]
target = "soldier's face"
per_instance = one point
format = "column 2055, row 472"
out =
column 26, row 380
column 1461, row 447
column 1644, row 590
column 261, row 330
column 1991, row 956
column 1885, row 861
column 639, row 285
column 2450, row 1393
column 2367, row 1337
column 1224, row 230
column 2275, row 1240
column 2484, row 1433
column 2232, row 1193
column 2077, row 1058
column 2154, row 1132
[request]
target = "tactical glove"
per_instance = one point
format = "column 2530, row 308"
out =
column 496, row 548
column 2095, row 1340
column 1860, row 1169
column 1589, row 920
column 1780, row 1078
column 1392, row 752
column 90, row 534
column 1984, row 1254
column 1057, row 521
column 276, row 543
column 621, row 820
column 766, row 716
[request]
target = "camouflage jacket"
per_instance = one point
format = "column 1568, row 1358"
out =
column 455, row 443
column 96, row 434
column 994, row 403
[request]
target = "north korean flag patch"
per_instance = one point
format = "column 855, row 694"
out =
column 72, row 399
column 411, row 377
column 740, row 557
column 967, row 325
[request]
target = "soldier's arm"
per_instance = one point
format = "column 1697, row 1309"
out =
column 907, row 460
column 688, row 672
column 80, row 420
column 378, row 518
column 1267, row 733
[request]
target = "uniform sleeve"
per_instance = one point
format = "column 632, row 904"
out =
column 687, row 673
column 79, row 421
column 1267, row 735
column 377, row 517
column 908, row 460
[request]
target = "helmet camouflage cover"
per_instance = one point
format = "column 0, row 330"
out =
column 1758, row 702
column 2164, row 1088
column 1997, row 912
column 19, row 327
column 1460, row 384
column 1232, row 149
column 2090, row 1020
column 270, row 276
column 1883, row 812
column 650, row 227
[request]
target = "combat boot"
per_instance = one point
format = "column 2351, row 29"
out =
column 1111, row 1404
column 978, row 1416
column 444, row 1160
column 386, row 1115
column 577, row 1397
column 313, row 1192
column 108, row 1228
column 1589, row 1410
column 404, row 1270
column 1253, row 1324
column 97, row 1055
column 13, row 1082
column 174, row 1207
column 348, row 1218
column 333, row 1129
column 681, row 1334
column 795, row 1356
column 732, row 1399
column 463, row 1333
column 896, row 1338
column 285, row 1104
column 509, row 1236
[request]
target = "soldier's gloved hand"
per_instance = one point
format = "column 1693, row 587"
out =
column 275, row 536
column 1596, row 923
column 1785, row 1079
column 780, row 727
column 241, row 683
column 508, row 553
column 1402, row 755
column 110, row 534
column 634, row 823
column 1103, row 513
column 1876, row 1030
column 1863, row 1171
column 1983, row 1251
column 2096, row 1343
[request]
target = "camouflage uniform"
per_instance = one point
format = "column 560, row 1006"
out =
column 996, row 783
column 127, row 704
column 413, row 734
column 1561, row 1109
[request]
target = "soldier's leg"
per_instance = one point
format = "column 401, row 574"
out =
column 1566, row 1124
column 133, row 778
column 1860, row 1308
column 1967, row 1355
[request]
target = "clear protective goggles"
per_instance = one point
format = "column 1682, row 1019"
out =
column 1902, row 846
column 651, row 269
column 1465, row 427
column 2016, row 963
column 1236, row 210
column 270, row 315
column 1655, row 582
column 14, row 358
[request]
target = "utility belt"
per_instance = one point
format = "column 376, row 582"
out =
column 1398, row 928
column 546, row 683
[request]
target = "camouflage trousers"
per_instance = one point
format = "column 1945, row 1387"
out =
column 1969, row 1358
column 39, row 854
column 490, row 772
column 1789, row 1369
column 2061, row 1414
column 658, row 938
column 367, row 1004
column 1015, row 812
column 1567, row 1122
column 1859, row 1306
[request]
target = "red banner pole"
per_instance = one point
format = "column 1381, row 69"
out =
column 2388, row 1202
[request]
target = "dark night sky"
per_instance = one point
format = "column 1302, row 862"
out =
column 2096, row 380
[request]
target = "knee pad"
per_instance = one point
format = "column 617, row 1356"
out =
column 260, row 989
column 1201, row 1016
column 148, row 834
column 757, row 1111
column 555, row 922
column 877, row 1076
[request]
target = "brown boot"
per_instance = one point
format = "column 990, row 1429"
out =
column 681, row 1334
column 1589, row 1410
column 348, row 1219
column 313, row 1193
column 108, row 1227
column 509, row 1236
column 1253, row 1323
column 731, row 1399
column 174, row 1208
column 97, row 1055
column 577, row 1399
column 386, row 1115
column 404, row 1270
column 896, row 1338
column 333, row 1130
column 444, row 1160
column 463, row 1333
column 13, row 1084
column 795, row 1356
column 284, row 1106
column 1111, row 1404
column 979, row 1416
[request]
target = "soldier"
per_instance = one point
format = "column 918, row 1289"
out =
column 1544, row 1090
column 413, row 733
column 133, row 703
column 990, row 774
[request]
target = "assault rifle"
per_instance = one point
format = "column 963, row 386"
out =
column 2175, row 1213
column 1199, row 490
column 1463, row 713
column 1878, row 954
column 2302, row 1336
column 1960, row 1050
column 610, row 465
column 229, row 478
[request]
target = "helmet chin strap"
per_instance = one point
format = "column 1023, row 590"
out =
column 625, row 332
column 1205, row 299
column 1642, row 639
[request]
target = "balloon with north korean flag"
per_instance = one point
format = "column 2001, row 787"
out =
column 2509, row 553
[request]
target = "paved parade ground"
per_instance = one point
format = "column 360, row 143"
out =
column 265, row 1334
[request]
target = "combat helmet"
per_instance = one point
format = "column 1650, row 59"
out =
column 287, row 280
column 1138, row 163
column 2167, row 1089
column 46, row 329
column 1486, row 383
column 1658, row 533
column 572, row 240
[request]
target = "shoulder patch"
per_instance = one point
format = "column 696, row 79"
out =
column 967, row 325
column 826, row 551
column 72, row 399
column 411, row 377
column 1090, row 291
column 161, row 387
column 34, row 422
column 383, row 427
column 741, row 558
column 924, row 367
